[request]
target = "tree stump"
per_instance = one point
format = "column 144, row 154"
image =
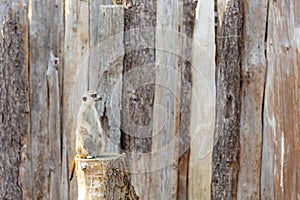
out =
column 104, row 177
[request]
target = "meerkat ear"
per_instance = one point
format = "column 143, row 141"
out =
column 84, row 98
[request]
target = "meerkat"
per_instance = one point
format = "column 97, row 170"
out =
column 90, row 141
column 126, row 3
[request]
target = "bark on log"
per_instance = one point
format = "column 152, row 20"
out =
column 226, row 150
column 14, row 111
column 104, row 177
column 137, row 107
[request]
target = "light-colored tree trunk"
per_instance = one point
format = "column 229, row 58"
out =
column 45, row 62
column 253, row 84
column 75, row 81
column 104, row 177
column 280, row 177
column 106, row 66
column 166, row 109
column 203, row 103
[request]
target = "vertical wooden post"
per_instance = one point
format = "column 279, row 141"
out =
column 14, row 115
column 75, row 81
column 106, row 66
column 203, row 103
column 104, row 177
column 226, row 150
column 280, row 177
column 253, row 80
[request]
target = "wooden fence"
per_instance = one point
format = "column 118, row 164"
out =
column 199, row 114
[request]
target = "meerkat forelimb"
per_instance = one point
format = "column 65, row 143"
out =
column 90, row 141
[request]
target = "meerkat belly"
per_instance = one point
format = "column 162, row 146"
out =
column 90, row 141
column 91, row 145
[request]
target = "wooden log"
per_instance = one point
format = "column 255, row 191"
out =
column 280, row 177
column 226, row 150
column 106, row 66
column 166, row 110
column 104, row 177
column 253, row 80
column 75, row 81
column 137, row 108
column 203, row 103
column 14, row 111
column 45, row 43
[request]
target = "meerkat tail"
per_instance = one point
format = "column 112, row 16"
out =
column 72, row 169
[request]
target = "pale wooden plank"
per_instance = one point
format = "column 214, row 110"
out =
column 253, row 77
column 167, row 101
column 106, row 66
column 54, row 80
column 281, row 163
column 46, row 46
column 54, row 128
column 203, row 102
column 46, row 49
column 75, row 81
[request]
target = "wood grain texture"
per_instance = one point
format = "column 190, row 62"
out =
column 138, row 92
column 280, row 176
column 75, row 81
column 106, row 66
column 156, row 72
column 185, row 84
column 225, row 157
column 46, row 43
column 104, row 177
column 166, row 111
column 203, row 108
column 54, row 127
column 253, row 83
column 14, row 113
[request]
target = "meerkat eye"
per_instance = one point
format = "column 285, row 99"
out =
column 93, row 95
column 84, row 98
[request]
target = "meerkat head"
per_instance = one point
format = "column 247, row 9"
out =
column 91, row 97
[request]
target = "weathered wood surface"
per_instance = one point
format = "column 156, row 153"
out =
column 188, row 21
column 156, row 159
column 105, row 177
column 62, row 57
column 280, row 177
column 203, row 103
column 75, row 82
column 46, row 46
column 138, row 93
column 166, row 111
column 106, row 66
column 226, row 151
column 14, row 109
column 253, row 83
